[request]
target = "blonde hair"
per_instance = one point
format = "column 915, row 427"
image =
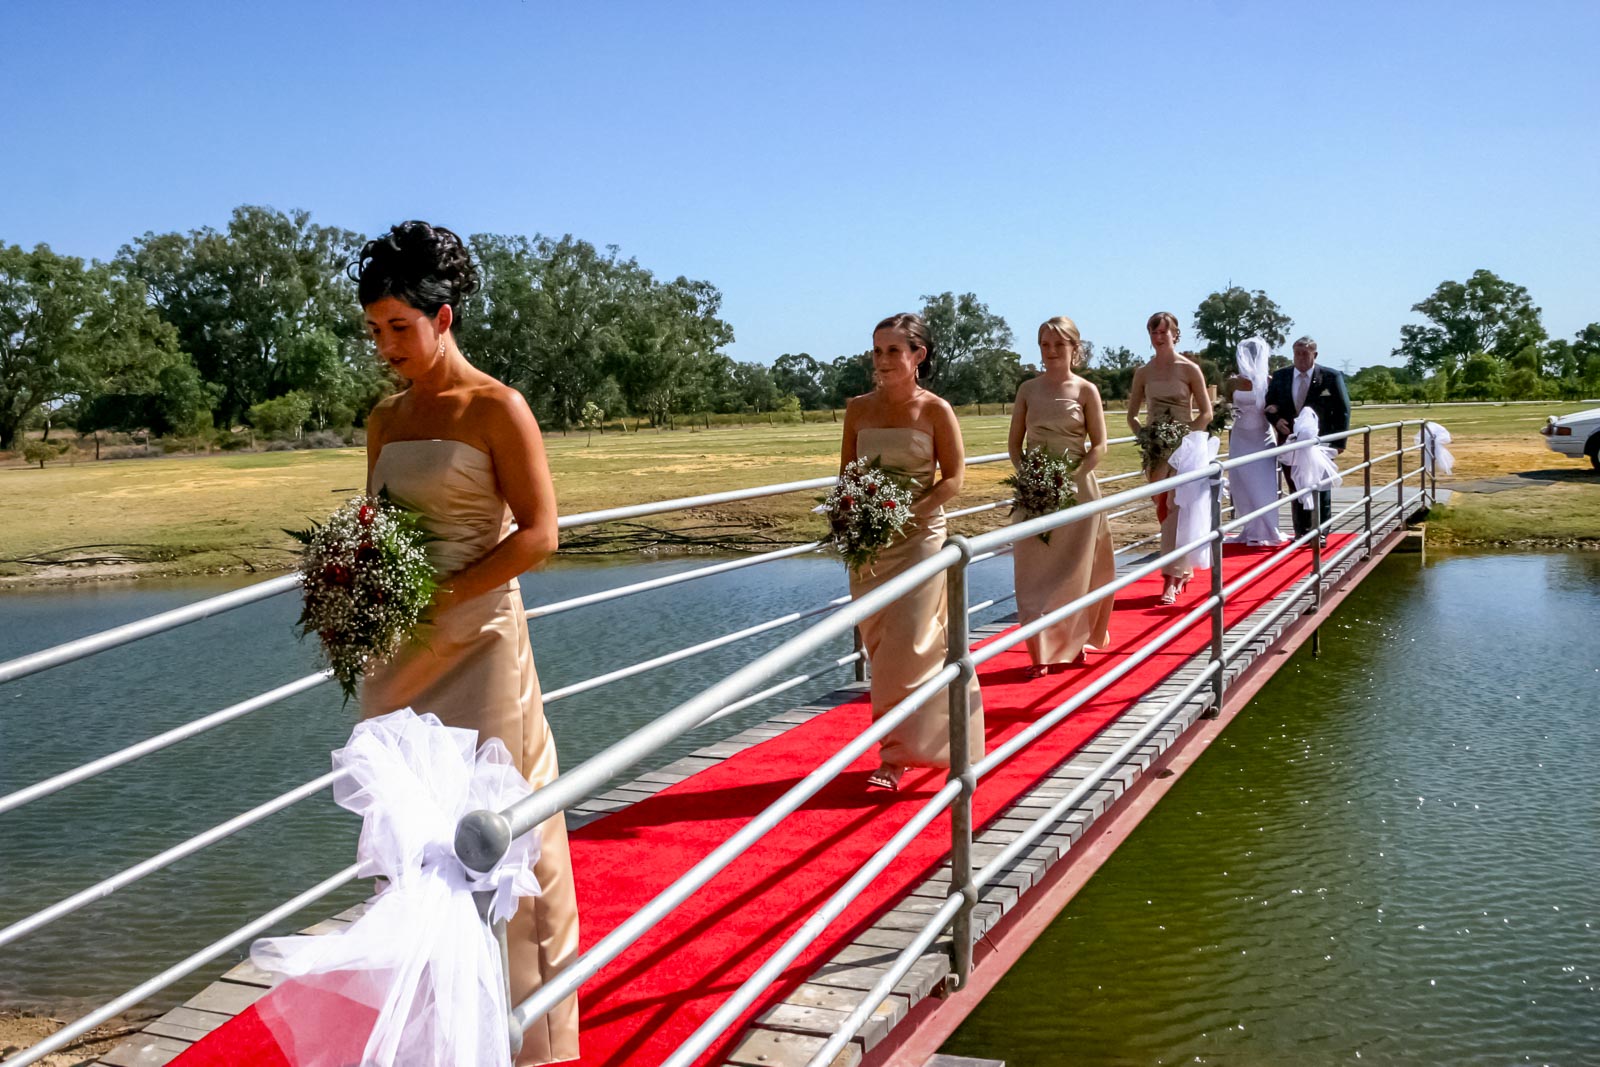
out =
column 1067, row 330
column 1163, row 316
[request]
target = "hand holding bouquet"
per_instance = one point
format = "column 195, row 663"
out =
column 1043, row 484
column 866, row 511
column 366, row 581
column 1158, row 439
column 1221, row 419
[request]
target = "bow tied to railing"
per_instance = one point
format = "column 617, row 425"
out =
column 1311, row 467
column 1436, row 458
column 418, row 979
column 1194, row 518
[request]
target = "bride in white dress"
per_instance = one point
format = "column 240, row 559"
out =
column 1252, row 485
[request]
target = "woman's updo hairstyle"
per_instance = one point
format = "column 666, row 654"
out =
column 423, row 266
column 916, row 331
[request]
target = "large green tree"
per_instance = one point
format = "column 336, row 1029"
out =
column 263, row 307
column 1227, row 317
column 69, row 331
column 566, row 322
column 974, row 357
column 1485, row 314
column 798, row 373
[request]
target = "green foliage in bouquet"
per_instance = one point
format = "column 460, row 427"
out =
column 365, row 583
column 1043, row 485
column 866, row 511
column 1221, row 419
column 1158, row 439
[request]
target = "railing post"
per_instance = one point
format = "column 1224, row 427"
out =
column 1366, row 487
column 1430, row 465
column 861, row 655
column 482, row 840
column 1218, row 682
column 958, row 651
column 1400, row 473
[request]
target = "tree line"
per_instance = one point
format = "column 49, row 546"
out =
column 256, row 324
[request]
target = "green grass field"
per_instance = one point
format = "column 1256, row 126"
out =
column 196, row 514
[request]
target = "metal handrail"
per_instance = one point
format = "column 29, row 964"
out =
column 105, row 887
column 477, row 833
column 185, row 967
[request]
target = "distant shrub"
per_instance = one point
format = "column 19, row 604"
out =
column 233, row 442
column 280, row 446
column 322, row 439
column 129, row 452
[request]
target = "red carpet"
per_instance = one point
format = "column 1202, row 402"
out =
column 651, row 998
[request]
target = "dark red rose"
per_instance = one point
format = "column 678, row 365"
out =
column 889, row 505
column 365, row 514
column 848, row 501
column 872, row 490
column 336, row 574
column 366, row 556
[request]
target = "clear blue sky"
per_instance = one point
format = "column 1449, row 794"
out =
column 827, row 164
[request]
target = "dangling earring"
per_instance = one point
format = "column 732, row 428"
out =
column 438, row 353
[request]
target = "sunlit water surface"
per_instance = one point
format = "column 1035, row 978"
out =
column 1392, row 856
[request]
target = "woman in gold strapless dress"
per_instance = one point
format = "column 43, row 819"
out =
column 1174, row 386
column 1060, row 411
column 913, row 433
column 464, row 452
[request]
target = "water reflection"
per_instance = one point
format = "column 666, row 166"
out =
column 1390, row 857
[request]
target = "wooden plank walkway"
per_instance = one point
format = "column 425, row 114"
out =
column 790, row 1033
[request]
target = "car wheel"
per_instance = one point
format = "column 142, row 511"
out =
column 1592, row 446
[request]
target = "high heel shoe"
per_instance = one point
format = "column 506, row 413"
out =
column 1169, row 593
column 886, row 776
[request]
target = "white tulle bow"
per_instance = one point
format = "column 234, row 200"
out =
column 1313, row 467
column 1193, row 498
column 417, row 981
column 1435, row 457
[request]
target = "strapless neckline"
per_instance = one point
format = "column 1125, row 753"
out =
column 436, row 441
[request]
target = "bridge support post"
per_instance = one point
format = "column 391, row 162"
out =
column 482, row 840
column 861, row 654
column 959, row 652
column 1366, row 489
column 1400, row 473
column 1430, row 466
column 1218, row 681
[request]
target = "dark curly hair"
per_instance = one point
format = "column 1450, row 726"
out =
column 916, row 330
column 418, row 264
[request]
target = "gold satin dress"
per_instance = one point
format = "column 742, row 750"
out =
column 473, row 667
column 906, row 641
column 1174, row 401
column 1078, row 558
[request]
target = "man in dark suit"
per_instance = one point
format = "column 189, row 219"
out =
column 1306, row 385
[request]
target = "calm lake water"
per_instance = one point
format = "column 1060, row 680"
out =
column 1393, row 856
column 61, row 718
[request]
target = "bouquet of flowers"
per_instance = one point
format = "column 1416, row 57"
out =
column 1157, row 440
column 866, row 511
column 366, row 581
column 1221, row 419
column 1043, row 484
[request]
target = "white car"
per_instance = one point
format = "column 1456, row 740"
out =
column 1575, row 435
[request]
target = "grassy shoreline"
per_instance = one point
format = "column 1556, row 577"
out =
column 214, row 514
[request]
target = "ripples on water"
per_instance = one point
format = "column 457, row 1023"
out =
column 54, row 721
column 1392, row 856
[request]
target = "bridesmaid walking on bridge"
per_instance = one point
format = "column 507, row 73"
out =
column 913, row 434
column 1060, row 412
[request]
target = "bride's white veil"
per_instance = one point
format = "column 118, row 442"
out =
column 1252, row 358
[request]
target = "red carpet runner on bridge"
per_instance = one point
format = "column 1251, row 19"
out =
column 652, row 997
